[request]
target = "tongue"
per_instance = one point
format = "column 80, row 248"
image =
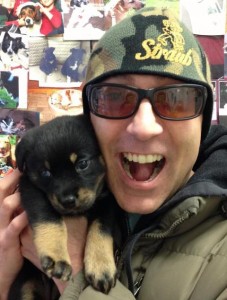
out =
column 141, row 172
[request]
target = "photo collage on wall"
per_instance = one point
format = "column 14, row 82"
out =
column 54, row 53
column 49, row 54
column 207, row 21
column 50, row 58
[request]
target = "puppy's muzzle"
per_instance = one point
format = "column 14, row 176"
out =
column 71, row 203
column 29, row 21
column 68, row 201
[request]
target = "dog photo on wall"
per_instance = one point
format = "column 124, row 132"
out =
column 7, row 154
column 84, row 21
column 17, row 122
column 56, row 62
column 9, row 90
column 13, row 125
column 14, row 58
column 13, row 49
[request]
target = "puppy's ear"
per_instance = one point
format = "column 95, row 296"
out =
column 22, row 151
column 38, row 14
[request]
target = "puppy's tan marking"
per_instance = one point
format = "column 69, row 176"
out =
column 73, row 157
column 47, row 164
column 51, row 241
column 54, row 201
column 99, row 259
column 86, row 195
column 47, row 236
column 27, row 290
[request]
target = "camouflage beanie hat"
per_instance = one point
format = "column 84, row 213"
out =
column 151, row 41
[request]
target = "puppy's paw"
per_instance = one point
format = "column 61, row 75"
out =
column 100, row 271
column 100, row 268
column 59, row 269
column 101, row 281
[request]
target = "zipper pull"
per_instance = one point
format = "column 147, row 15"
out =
column 137, row 285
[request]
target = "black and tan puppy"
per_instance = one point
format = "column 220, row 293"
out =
column 63, row 176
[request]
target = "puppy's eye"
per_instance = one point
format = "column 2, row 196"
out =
column 82, row 165
column 45, row 174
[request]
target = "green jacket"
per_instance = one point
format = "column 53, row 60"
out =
column 182, row 254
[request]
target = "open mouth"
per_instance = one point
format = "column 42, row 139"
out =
column 141, row 167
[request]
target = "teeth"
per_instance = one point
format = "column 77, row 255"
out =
column 143, row 159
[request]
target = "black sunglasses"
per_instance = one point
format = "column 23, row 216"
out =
column 173, row 102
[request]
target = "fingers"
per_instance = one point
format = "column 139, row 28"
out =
column 17, row 225
column 8, row 207
column 12, row 219
column 9, row 184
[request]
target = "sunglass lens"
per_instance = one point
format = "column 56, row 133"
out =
column 113, row 101
column 178, row 103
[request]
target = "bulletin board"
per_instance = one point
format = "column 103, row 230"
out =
column 42, row 74
column 50, row 60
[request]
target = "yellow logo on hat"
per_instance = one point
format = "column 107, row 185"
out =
column 155, row 50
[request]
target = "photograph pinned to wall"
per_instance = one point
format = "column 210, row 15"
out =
column 18, row 121
column 210, row 31
column 13, row 89
column 53, row 25
column 222, row 97
column 56, row 62
column 213, row 47
column 14, row 52
column 84, row 20
column 117, row 10
column 225, row 56
column 215, row 105
column 9, row 90
column 7, row 154
column 13, row 124
column 26, row 16
column 66, row 102
column 204, row 17
column 37, row 17
column 88, row 20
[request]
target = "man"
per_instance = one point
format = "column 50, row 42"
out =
column 149, row 96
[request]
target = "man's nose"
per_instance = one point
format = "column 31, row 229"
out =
column 145, row 123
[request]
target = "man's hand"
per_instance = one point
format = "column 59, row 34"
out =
column 12, row 222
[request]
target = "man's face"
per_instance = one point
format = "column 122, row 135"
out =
column 174, row 145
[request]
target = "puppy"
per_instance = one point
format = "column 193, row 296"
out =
column 11, row 44
column 71, row 66
column 65, row 99
column 30, row 13
column 48, row 63
column 4, row 147
column 6, row 125
column 78, row 3
column 63, row 176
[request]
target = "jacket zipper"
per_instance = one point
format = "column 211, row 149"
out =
column 163, row 235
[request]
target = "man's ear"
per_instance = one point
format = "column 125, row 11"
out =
column 23, row 148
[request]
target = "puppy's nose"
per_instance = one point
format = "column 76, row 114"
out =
column 69, row 201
